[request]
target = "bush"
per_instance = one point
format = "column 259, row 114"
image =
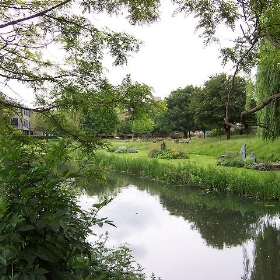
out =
column 233, row 159
column 153, row 154
column 43, row 229
column 168, row 154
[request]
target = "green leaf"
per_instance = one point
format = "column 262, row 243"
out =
column 4, row 236
column 40, row 271
column 26, row 228
column 62, row 224
column 31, row 260
column 33, row 201
column 55, row 225
column 61, row 213
column 41, row 224
column 45, row 254
column 24, row 277
column 32, row 277
column 40, row 277
column 3, row 261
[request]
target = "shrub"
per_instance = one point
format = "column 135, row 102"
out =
column 153, row 153
column 43, row 229
column 233, row 159
column 168, row 154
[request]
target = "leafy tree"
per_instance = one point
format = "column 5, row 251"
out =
column 143, row 126
column 73, row 81
column 267, row 84
column 178, row 114
column 209, row 103
column 161, row 127
column 252, row 23
column 43, row 123
column 125, row 127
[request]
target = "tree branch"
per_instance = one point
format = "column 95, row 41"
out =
column 270, row 99
column 267, row 101
column 35, row 15
column 14, row 105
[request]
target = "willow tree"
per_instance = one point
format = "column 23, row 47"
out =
column 267, row 84
column 250, row 23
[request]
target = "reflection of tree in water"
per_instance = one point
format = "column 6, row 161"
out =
column 108, row 188
column 266, row 256
column 221, row 220
column 219, row 228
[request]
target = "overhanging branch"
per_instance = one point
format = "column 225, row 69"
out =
column 244, row 123
column 14, row 22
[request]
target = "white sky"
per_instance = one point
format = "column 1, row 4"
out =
column 172, row 55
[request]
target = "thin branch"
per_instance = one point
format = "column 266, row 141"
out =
column 29, row 79
column 35, row 15
column 13, row 105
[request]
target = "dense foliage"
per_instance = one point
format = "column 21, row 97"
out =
column 249, row 25
column 208, row 104
column 71, row 83
column 178, row 116
column 44, row 232
column 267, row 84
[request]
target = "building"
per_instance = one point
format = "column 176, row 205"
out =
column 22, row 121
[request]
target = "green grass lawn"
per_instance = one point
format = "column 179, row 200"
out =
column 209, row 149
column 206, row 151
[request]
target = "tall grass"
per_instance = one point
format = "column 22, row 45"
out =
column 211, row 178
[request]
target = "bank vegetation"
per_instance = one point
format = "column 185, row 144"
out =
column 200, row 169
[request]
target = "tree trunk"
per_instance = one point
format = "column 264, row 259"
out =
column 227, row 129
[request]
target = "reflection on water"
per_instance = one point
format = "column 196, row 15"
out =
column 181, row 233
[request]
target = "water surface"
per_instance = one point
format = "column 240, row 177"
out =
column 181, row 233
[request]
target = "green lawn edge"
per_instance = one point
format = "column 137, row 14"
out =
column 200, row 170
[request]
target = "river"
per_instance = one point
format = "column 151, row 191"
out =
column 182, row 233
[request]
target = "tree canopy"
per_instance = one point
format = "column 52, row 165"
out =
column 30, row 29
column 74, row 79
column 209, row 103
column 178, row 114
column 250, row 23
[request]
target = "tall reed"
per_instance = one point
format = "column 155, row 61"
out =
column 211, row 178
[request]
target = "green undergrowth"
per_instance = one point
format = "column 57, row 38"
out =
column 247, row 183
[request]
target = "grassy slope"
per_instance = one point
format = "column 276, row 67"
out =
column 206, row 151
column 203, row 171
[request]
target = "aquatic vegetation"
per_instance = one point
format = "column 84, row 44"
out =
column 211, row 178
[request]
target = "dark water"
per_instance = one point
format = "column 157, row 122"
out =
column 181, row 233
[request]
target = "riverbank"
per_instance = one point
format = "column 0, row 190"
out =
column 200, row 170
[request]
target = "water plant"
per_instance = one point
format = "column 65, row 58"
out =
column 211, row 178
